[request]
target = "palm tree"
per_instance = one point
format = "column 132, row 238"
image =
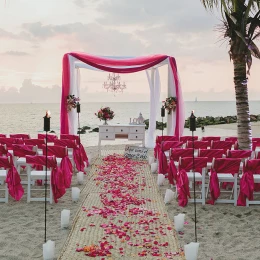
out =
column 241, row 25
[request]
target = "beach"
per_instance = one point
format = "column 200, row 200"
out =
column 225, row 232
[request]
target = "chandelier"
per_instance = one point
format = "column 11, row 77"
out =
column 114, row 84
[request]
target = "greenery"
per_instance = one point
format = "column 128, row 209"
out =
column 240, row 26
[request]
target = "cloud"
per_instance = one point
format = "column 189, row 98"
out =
column 15, row 53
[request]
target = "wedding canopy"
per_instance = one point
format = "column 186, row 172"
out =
column 70, row 86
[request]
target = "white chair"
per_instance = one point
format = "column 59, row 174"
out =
column 3, row 174
column 224, row 170
column 199, row 165
column 34, row 175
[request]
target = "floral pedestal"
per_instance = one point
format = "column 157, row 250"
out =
column 105, row 122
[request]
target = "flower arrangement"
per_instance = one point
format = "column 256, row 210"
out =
column 105, row 114
column 170, row 104
column 72, row 102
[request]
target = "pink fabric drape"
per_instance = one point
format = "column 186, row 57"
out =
column 10, row 141
column 13, row 179
column 65, row 164
column 20, row 150
column 247, row 185
column 172, row 172
column 221, row 165
column 112, row 65
column 57, row 180
column 70, row 137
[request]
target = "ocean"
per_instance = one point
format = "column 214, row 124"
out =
column 28, row 118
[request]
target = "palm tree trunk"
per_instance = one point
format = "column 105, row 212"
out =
column 244, row 132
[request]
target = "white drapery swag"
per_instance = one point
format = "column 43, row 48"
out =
column 155, row 90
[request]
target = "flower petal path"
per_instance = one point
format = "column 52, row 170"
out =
column 123, row 216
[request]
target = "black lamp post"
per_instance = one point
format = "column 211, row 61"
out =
column 78, row 111
column 192, row 129
column 46, row 128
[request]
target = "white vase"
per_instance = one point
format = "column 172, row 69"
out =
column 160, row 179
column 154, row 167
column 169, row 196
column 191, row 251
column 75, row 191
column 179, row 222
column 65, row 218
column 80, row 177
column 48, row 250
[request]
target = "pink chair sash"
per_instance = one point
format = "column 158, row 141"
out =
column 78, row 157
column 20, row 150
column 221, row 165
column 239, row 154
column 221, row 145
column 70, row 137
column 23, row 136
column 210, row 138
column 50, row 137
column 10, row 141
column 57, row 180
column 183, row 188
column 84, row 154
column 159, row 140
column 2, row 135
column 3, row 150
column 172, row 172
column 65, row 165
column 176, row 153
column 231, row 139
column 211, row 153
column 197, row 144
column 38, row 142
column 13, row 179
column 187, row 138
column 247, row 185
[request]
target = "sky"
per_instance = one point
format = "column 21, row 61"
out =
column 35, row 34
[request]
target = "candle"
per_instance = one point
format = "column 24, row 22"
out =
column 191, row 251
column 80, row 177
column 179, row 222
column 47, row 121
column 48, row 250
column 75, row 191
column 169, row 196
column 154, row 167
column 160, row 179
column 192, row 121
column 65, row 218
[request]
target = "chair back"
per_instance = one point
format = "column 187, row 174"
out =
column 5, row 162
column 211, row 153
column 255, row 142
column 50, row 137
column 239, row 154
column 10, row 141
column 20, row 150
column 23, row 136
column 58, row 151
column 176, row 153
column 210, row 138
column 197, row 144
column 41, row 160
column 186, row 138
column 226, row 145
column 65, row 143
column 160, row 138
column 232, row 139
column 167, row 145
column 252, row 166
column 186, row 163
column 2, row 135
column 70, row 137
column 38, row 142
column 226, row 165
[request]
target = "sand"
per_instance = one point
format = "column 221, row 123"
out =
column 225, row 232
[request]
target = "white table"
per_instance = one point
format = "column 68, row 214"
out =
column 130, row 132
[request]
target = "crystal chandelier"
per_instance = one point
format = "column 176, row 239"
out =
column 114, row 84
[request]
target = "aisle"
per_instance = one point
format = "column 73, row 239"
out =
column 122, row 217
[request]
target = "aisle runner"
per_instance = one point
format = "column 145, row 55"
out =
column 123, row 217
